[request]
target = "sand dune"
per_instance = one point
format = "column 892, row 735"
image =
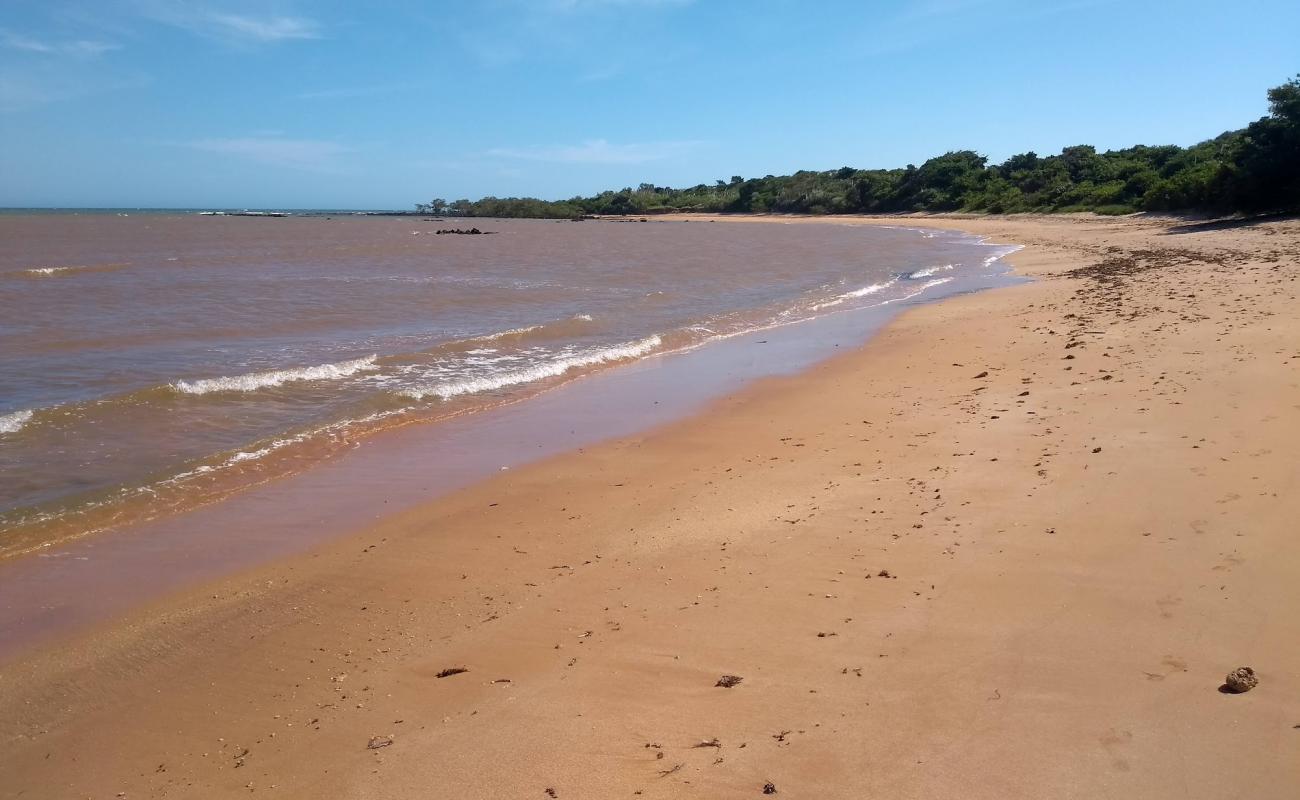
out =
column 1008, row 549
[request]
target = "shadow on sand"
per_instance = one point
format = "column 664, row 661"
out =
column 1227, row 223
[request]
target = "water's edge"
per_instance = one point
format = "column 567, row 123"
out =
column 69, row 586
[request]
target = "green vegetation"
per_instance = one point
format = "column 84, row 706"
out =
column 1250, row 170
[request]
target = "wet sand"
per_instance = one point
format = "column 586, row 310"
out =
column 1009, row 548
column 101, row 574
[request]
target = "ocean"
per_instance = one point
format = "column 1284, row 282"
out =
column 155, row 362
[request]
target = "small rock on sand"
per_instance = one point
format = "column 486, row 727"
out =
column 728, row 681
column 1240, row 680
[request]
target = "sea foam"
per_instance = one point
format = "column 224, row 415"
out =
column 856, row 293
column 930, row 271
column 261, row 380
column 14, row 422
column 551, row 369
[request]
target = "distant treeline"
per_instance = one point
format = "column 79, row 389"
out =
column 1250, row 170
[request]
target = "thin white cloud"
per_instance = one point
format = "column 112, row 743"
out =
column 84, row 48
column 945, row 8
column 602, row 74
column 345, row 92
column 268, row 29
column 583, row 5
column 924, row 22
column 491, row 49
column 228, row 26
column 21, row 91
column 304, row 154
column 38, row 87
column 597, row 151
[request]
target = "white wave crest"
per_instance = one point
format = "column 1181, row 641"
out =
column 930, row 271
column 1002, row 253
column 856, row 293
column 14, row 422
column 261, row 380
column 866, row 290
column 45, row 272
column 537, row 372
column 491, row 337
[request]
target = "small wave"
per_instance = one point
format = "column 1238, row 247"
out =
column 930, row 271
column 1003, row 252
column 559, row 329
column 261, row 380
column 492, row 337
column 14, row 422
column 918, row 292
column 551, row 369
column 866, row 290
column 337, row 430
column 856, row 293
column 49, row 272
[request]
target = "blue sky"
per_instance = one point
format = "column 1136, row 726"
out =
column 283, row 103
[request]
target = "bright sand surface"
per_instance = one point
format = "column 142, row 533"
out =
column 1009, row 548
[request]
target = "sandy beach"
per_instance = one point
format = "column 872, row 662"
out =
column 1008, row 549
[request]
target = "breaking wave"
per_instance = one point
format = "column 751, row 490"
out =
column 14, row 422
column 261, row 380
column 856, row 293
column 932, row 271
column 551, row 369
column 72, row 269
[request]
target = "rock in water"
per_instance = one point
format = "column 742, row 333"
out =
column 1241, row 679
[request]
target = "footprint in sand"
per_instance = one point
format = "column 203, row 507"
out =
column 1113, row 741
column 1172, row 665
column 1229, row 561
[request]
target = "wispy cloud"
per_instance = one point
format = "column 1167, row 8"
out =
column 305, row 154
column 268, row 29
column 506, row 32
column 231, row 27
column 83, row 48
column 598, row 151
column 924, row 22
column 34, row 88
column 605, row 73
column 21, row 91
column 584, row 5
column 345, row 92
column 944, row 8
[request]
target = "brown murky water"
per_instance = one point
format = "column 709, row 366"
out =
column 154, row 362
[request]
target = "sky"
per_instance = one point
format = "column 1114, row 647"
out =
column 333, row 104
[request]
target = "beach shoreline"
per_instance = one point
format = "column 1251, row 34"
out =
column 177, row 427
column 1008, row 548
column 93, row 574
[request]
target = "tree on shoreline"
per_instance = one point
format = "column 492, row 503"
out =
column 1253, row 169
